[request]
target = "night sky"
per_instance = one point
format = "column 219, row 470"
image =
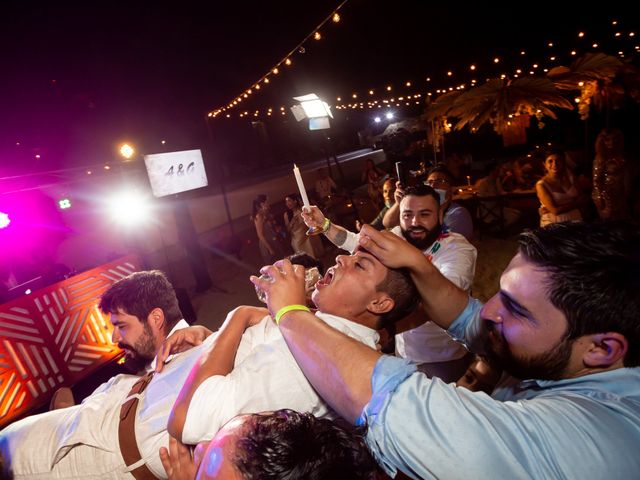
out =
column 78, row 78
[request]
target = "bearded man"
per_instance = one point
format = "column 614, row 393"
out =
column 421, row 224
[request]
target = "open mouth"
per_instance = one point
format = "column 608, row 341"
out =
column 326, row 280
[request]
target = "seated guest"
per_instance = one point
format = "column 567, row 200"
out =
column 306, row 447
column 558, row 192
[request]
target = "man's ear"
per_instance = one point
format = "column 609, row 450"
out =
column 156, row 319
column 441, row 214
column 383, row 303
column 606, row 350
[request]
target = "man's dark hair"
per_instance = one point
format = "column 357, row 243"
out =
column 291, row 445
column 421, row 190
column 400, row 287
column 441, row 168
column 307, row 261
column 139, row 293
column 594, row 281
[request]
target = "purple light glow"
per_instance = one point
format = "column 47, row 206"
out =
column 4, row 220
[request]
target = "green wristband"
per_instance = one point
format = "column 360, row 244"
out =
column 290, row 308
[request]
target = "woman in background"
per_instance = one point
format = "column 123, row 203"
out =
column 300, row 241
column 267, row 231
column 374, row 177
column 611, row 178
column 558, row 192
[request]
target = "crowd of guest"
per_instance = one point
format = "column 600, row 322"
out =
column 389, row 367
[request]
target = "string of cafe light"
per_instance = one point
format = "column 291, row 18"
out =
column 414, row 95
column 264, row 80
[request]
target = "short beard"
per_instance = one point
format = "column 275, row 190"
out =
column 142, row 353
column 423, row 243
column 550, row 365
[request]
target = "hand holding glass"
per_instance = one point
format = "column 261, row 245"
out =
column 311, row 276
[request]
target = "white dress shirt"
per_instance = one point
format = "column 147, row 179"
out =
column 265, row 377
column 82, row 441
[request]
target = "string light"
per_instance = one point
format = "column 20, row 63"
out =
column 315, row 34
column 378, row 103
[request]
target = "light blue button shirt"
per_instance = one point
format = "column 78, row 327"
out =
column 581, row 428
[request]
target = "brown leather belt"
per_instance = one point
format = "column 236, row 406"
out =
column 127, row 431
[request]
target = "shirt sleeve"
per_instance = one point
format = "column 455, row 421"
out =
column 432, row 430
column 351, row 242
column 458, row 264
column 460, row 221
column 268, row 379
column 467, row 328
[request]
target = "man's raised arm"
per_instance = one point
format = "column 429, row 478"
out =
column 339, row 236
column 218, row 360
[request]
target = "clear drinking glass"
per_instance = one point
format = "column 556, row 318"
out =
column 311, row 276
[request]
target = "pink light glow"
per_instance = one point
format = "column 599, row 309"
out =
column 4, row 220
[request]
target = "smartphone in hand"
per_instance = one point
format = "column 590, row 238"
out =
column 400, row 172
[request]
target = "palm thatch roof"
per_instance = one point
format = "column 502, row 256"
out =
column 498, row 101
column 603, row 80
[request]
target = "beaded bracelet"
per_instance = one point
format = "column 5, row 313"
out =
column 326, row 225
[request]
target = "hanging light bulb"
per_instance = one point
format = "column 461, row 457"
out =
column 276, row 71
column 287, row 62
column 336, row 17
column 317, row 36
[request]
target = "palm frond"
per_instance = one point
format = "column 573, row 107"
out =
column 589, row 67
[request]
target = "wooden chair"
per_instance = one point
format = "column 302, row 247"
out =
column 489, row 215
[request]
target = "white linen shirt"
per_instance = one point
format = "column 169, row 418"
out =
column 265, row 377
column 81, row 441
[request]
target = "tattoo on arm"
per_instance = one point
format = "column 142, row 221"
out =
column 337, row 235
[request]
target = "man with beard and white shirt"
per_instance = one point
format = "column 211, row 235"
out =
column 82, row 441
column 421, row 225
column 455, row 216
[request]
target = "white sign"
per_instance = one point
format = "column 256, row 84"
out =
column 175, row 172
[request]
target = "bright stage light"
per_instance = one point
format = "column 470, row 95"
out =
column 313, row 108
column 377, row 120
column 129, row 208
column 389, row 116
column 4, row 220
column 127, row 151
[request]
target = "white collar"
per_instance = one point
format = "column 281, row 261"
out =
column 357, row 328
column 178, row 326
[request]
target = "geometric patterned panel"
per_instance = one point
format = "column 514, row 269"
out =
column 55, row 336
